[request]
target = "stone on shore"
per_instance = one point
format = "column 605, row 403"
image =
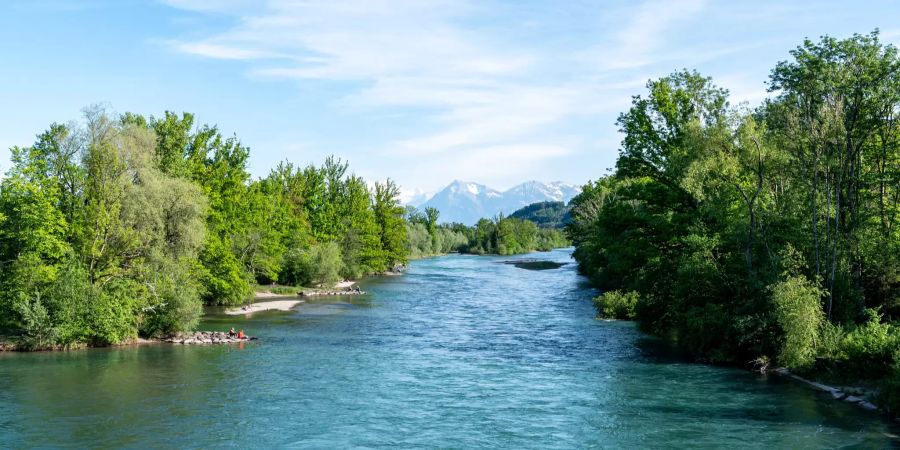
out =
column 206, row 337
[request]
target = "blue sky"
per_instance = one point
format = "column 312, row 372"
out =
column 423, row 92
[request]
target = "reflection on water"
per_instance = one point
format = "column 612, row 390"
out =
column 460, row 352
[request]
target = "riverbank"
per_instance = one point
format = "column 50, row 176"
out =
column 274, row 305
column 858, row 397
column 290, row 300
column 206, row 337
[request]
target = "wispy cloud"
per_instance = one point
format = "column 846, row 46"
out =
column 480, row 96
column 218, row 51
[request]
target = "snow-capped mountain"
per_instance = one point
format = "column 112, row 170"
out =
column 466, row 202
column 534, row 191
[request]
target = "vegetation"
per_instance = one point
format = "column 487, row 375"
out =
column 425, row 237
column 765, row 233
column 500, row 236
column 616, row 305
column 124, row 226
column 545, row 214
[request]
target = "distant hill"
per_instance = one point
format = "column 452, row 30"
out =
column 466, row 202
column 545, row 214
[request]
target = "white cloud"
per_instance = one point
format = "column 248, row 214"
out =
column 218, row 51
column 486, row 102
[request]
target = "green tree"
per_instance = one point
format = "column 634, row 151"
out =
column 391, row 224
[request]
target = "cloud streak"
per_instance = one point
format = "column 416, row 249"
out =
column 474, row 86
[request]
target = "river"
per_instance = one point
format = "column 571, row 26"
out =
column 460, row 352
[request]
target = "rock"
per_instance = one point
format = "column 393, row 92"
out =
column 852, row 399
column 867, row 405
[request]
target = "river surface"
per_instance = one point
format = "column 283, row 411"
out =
column 460, row 352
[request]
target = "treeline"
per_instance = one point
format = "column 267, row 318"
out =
column 123, row 226
column 545, row 214
column 767, row 234
column 498, row 236
column 425, row 237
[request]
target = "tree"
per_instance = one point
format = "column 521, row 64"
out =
column 389, row 217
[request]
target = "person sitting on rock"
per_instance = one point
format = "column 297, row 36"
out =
column 231, row 332
column 241, row 334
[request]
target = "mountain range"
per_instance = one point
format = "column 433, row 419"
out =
column 466, row 202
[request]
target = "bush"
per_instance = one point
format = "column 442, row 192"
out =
column 111, row 312
column 224, row 280
column 173, row 303
column 869, row 349
column 68, row 299
column 321, row 264
column 800, row 317
column 38, row 331
column 616, row 305
column 831, row 342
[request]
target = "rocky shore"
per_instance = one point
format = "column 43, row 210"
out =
column 206, row 337
column 856, row 396
column 321, row 293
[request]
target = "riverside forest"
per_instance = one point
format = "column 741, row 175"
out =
column 673, row 302
column 125, row 226
column 765, row 236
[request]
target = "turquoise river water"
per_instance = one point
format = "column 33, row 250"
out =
column 460, row 352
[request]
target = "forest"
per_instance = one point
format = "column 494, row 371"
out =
column 545, row 214
column 124, row 226
column 763, row 236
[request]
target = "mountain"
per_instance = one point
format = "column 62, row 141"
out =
column 466, row 202
column 534, row 191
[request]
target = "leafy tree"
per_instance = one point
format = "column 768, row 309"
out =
column 758, row 233
column 800, row 316
column 123, row 226
column 392, row 226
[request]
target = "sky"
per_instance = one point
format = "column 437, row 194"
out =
column 423, row 92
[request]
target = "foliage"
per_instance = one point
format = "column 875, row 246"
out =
column 616, row 305
column 800, row 317
column 124, row 226
column 869, row 349
column 38, row 330
column 320, row 265
column 760, row 233
column 545, row 214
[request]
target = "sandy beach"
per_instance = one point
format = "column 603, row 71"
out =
column 275, row 305
column 268, row 294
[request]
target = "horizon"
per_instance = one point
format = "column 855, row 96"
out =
column 422, row 93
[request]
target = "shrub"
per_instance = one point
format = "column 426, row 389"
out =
column 800, row 317
column 616, row 305
column 68, row 299
column 321, row 264
column 38, row 331
column 224, row 280
column 831, row 342
column 869, row 348
column 173, row 303
column 111, row 315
